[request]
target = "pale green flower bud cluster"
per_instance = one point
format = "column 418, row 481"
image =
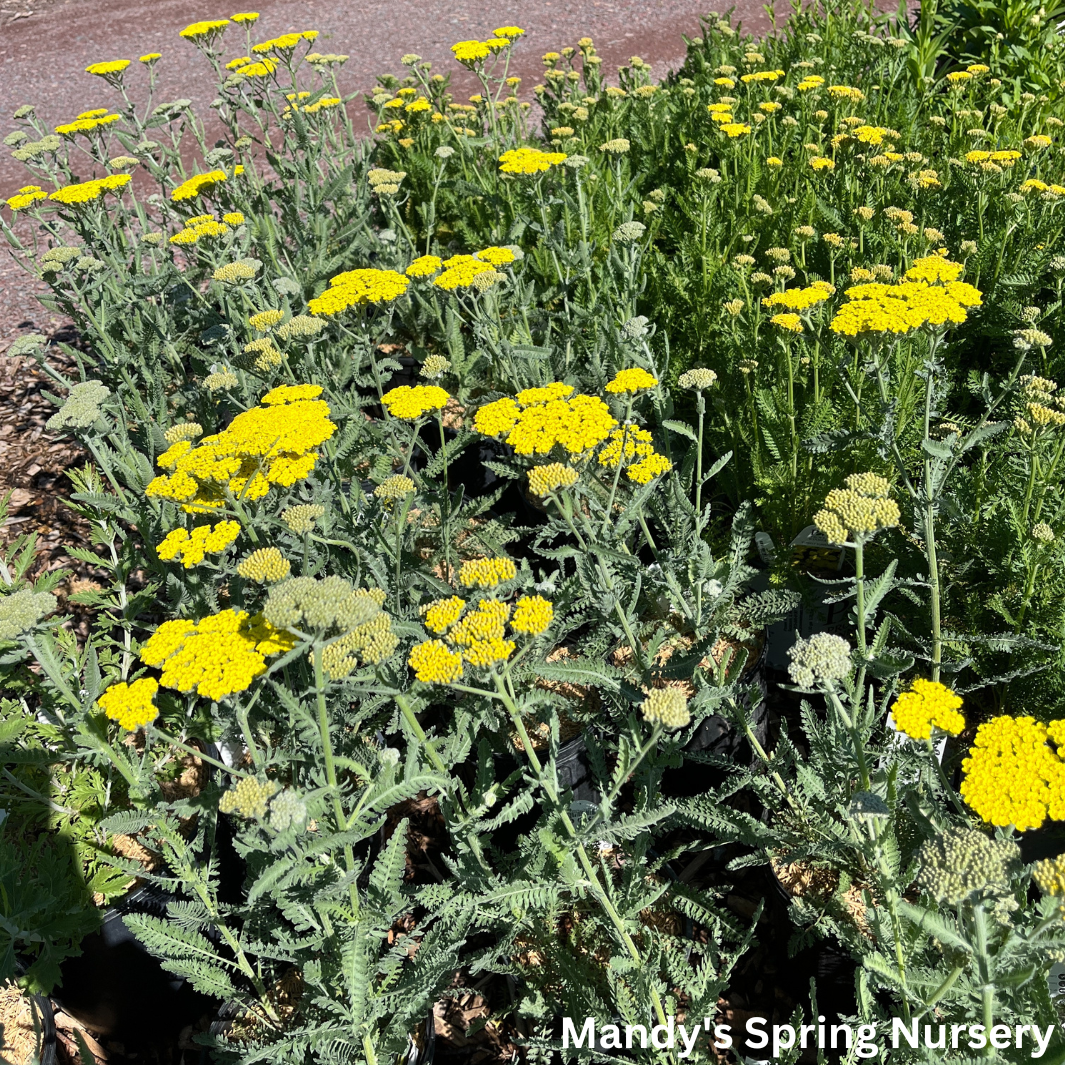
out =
column 394, row 488
column 483, row 282
column 236, row 273
column 300, row 327
column 628, row 232
column 635, row 328
column 434, row 366
column 963, row 863
column 20, row 611
column 183, row 431
column 373, row 642
column 822, row 660
column 34, row 149
column 1042, row 532
column 301, row 518
column 667, row 707
column 287, row 810
column 697, row 379
column 90, row 265
column 27, row 344
column 617, row 146
column 321, row 605
column 857, row 511
column 81, row 408
column 249, row 799
column 54, row 259
column 220, row 380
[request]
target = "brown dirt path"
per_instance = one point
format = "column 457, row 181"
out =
column 43, row 55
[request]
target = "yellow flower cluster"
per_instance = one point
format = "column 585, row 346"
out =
column 1001, row 158
column 285, row 43
column 846, row 92
column 193, row 186
column 632, row 442
column 270, row 444
column 215, row 657
column 538, row 419
column 811, row 81
column 1013, row 776
column 131, row 705
column 532, row 615
column 442, row 614
column 410, row 402
column 265, row 566
column 529, row 161
column 208, row 28
column 202, row 225
column 27, row 196
column 460, row 271
column 791, row 323
column 734, row 129
column 927, row 705
column 631, row 380
column 495, row 255
column 761, row 75
column 204, row 540
column 424, row 266
column 486, row 572
column 543, row 480
column 800, row 299
column 857, row 511
column 434, row 663
column 105, row 69
column 355, row 288
column 913, row 303
column 90, row 190
column 87, row 121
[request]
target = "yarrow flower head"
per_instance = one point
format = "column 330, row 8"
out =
column 486, row 572
column 667, row 707
column 131, row 705
column 300, row 519
column 529, row 161
column 821, row 661
column 629, row 232
column 925, row 706
column 434, row 366
column 356, row 288
column 394, row 488
column 87, row 191
column 858, row 511
column 963, row 864
column 532, row 615
column 631, row 380
column 412, row 401
column 1013, row 776
column 107, row 69
column 20, row 611
column 250, row 798
column 192, row 548
column 698, row 379
column 543, row 480
column 265, row 566
column 82, row 406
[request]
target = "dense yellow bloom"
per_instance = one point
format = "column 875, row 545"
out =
column 267, row 445
column 355, row 288
column 412, row 402
column 423, row 266
column 577, row 423
column 934, row 268
column 150, row 57
column 726, row 83
column 822, row 162
column 26, row 197
column 488, row 652
column 529, row 161
column 204, row 29
column 90, row 190
column 546, row 479
column 544, row 393
column 632, row 380
column 800, row 299
column 787, row 321
column 265, row 566
column 845, row 92
column 532, row 615
column 1013, row 776
column 103, row 70
column 927, row 705
column 215, row 657
column 486, row 572
column 434, row 663
column 261, row 69
column 734, row 129
column 285, row 43
column 761, row 75
column 245, row 16
column 857, row 511
column 198, row 183
column 442, row 614
column 460, row 271
column 1037, row 140
column 907, row 305
column 265, row 320
column 487, row 622
column 204, row 540
column 811, row 81
column 470, row 51
column 495, row 255
column 646, row 470
column 131, row 705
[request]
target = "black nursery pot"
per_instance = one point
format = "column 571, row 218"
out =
column 717, row 736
